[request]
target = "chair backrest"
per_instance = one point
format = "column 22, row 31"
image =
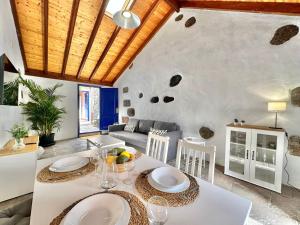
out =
column 194, row 155
column 157, row 147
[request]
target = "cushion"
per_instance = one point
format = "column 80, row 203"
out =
column 159, row 125
column 158, row 132
column 133, row 122
column 129, row 128
column 144, row 126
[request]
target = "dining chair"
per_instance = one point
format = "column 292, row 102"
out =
column 157, row 147
column 194, row 155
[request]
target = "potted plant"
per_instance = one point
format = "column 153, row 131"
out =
column 42, row 112
column 19, row 132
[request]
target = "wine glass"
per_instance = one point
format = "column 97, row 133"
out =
column 157, row 209
column 94, row 159
column 129, row 166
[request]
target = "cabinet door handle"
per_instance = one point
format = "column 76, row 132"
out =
column 247, row 154
column 252, row 155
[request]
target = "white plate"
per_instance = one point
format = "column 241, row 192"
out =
column 168, row 177
column 95, row 210
column 69, row 164
column 178, row 186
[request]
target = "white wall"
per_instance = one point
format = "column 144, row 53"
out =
column 229, row 71
column 8, row 36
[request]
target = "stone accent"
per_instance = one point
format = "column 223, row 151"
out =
column 284, row 34
column 126, row 103
column 206, row 133
column 125, row 89
column 179, row 17
column 190, row 22
column 154, row 99
column 141, row 95
column 295, row 96
column 175, row 80
column 131, row 112
column 294, row 145
column 168, row 99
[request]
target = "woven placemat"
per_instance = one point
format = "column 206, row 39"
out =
column 174, row 199
column 138, row 211
column 47, row 176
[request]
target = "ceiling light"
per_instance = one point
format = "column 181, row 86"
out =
column 126, row 19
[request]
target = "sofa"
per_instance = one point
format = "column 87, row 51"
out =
column 139, row 136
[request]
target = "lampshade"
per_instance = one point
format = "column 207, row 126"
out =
column 126, row 19
column 276, row 106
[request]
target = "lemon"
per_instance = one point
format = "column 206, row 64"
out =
column 126, row 154
column 110, row 159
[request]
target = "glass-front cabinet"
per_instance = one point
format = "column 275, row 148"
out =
column 255, row 154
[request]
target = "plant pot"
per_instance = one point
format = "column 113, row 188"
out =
column 19, row 144
column 47, row 140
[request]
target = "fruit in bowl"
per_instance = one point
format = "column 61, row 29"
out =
column 122, row 159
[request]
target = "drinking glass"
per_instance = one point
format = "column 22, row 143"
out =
column 129, row 167
column 157, row 209
column 94, row 159
column 108, row 175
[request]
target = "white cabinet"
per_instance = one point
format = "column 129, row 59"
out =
column 255, row 154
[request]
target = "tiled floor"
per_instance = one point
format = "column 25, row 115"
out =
column 269, row 208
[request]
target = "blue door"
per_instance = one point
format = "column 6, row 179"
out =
column 108, row 107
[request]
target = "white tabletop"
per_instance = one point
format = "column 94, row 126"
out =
column 106, row 141
column 214, row 205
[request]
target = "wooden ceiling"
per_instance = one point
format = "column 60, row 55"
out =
column 77, row 40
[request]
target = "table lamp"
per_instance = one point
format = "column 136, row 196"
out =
column 276, row 107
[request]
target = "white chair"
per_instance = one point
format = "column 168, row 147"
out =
column 157, row 147
column 194, row 152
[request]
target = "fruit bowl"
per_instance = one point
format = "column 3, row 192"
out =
column 120, row 160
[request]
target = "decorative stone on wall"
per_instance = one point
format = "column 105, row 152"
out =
column 175, row 80
column 126, row 103
column 131, row 112
column 179, row 17
column 294, row 145
column 190, row 22
column 206, row 133
column 141, row 95
column 125, row 89
column 125, row 119
column 283, row 34
column 168, row 99
column 154, row 99
column 295, row 96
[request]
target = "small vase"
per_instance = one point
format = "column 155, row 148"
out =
column 19, row 143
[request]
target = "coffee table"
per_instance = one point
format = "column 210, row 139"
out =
column 104, row 141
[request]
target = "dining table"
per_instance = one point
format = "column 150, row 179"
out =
column 213, row 206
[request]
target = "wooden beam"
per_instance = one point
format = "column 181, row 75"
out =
column 73, row 16
column 92, row 37
column 132, row 37
column 105, row 51
column 174, row 4
column 162, row 22
column 45, row 26
column 57, row 76
column 258, row 7
column 19, row 34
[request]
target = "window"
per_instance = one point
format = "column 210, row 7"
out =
column 115, row 6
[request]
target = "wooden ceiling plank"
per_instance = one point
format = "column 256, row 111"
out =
column 258, row 7
column 92, row 37
column 57, row 76
column 174, row 4
column 133, row 36
column 19, row 34
column 105, row 51
column 157, row 28
column 45, row 28
column 75, row 7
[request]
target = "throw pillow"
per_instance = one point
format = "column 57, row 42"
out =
column 158, row 132
column 129, row 128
